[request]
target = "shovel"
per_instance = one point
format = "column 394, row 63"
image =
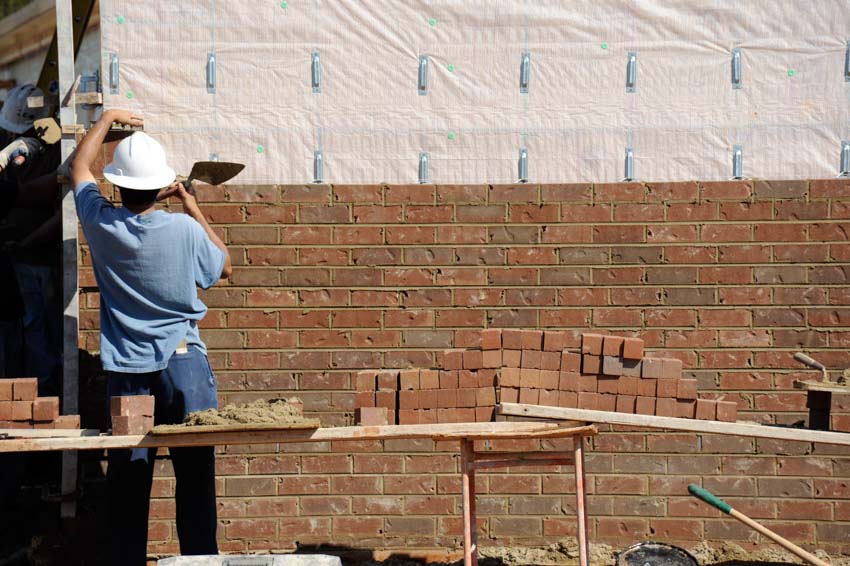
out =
column 212, row 173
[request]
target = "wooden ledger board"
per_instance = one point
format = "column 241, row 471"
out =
column 165, row 430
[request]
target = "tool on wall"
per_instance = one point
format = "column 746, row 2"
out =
column 210, row 172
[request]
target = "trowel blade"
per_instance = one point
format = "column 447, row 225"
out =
column 215, row 172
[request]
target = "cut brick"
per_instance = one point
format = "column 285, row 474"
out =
column 612, row 365
column 588, row 400
column 511, row 339
column 632, row 367
column 409, row 379
column 529, row 396
column 485, row 397
column 628, row 385
column 466, row 397
column 549, row 379
column 365, row 381
column 532, row 339
column 632, row 348
column 706, row 409
column 591, row 365
column 568, row 381
column 671, row 368
column 570, row 362
column 509, row 395
column 531, row 359
column 606, row 402
column 511, row 358
column 473, row 359
column 371, row 416
column 509, row 377
column 665, row 407
column 685, row 408
column 568, row 399
column 645, row 405
column 651, row 367
column 449, row 379
column 592, row 344
column 491, row 359
column 588, row 384
column 21, row 410
column 648, row 387
column 451, row 359
column 608, row 384
column 388, row 380
column 548, row 397
column 408, row 400
column 550, row 361
column 727, row 411
column 554, row 340
column 131, row 405
column 24, row 389
column 687, row 389
column 45, row 409
column 529, row 378
column 429, row 379
column 625, row 403
column 612, row 346
column 667, row 388
column 491, row 339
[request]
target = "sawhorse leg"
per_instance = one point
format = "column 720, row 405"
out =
column 470, row 532
column 581, row 511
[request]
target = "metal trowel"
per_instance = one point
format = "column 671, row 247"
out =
column 212, row 173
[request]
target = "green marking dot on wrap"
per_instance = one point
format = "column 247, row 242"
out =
column 432, row 22
column 791, row 72
column 451, row 68
column 604, row 45
column 260, row 149
column 451, row 135
column 284, row 5
column 120, row 19
column 130, row 94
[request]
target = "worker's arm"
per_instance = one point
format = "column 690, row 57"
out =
column 86, row 152
column 190, row 207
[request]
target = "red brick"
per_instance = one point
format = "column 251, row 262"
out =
column 132, row 424
column 588, row 400
column 408, row 416
column 509, row 395
column 628, row 386
column 447, row 398
column 409, row 379
column 648, row 387
column 132, row 405
column 485, row 397
column 6, row 389
column 687, row 389
column 671, row 368
column 608, row 384
column 549, row 379
column 665, row 407
column 588, row 383
column 668, row 388
column 570, row 362
column 652, row 367
column 554, row 340
column 6, row 410
column 568, row 381
column 591, row 364
column 452, row 359
column 386, row 399
column 511, row 358
column 388, row 380
column 408, row 400
column 592, row 344
column 685, row 408
column 509, row 377
column 473, row 359
column 612, row 365
column 568, row 399
column 67, row 422
column 449, row 379
column 645, row 405
column 364, row 399
column 45, row 409
column 486, row 378
column 550, row 361
column 365, row 381
column 429, row 399
column 529, row 396
column 612, row 346
column 529, row 378
column 625, row 403
column 371, row 416
column 706, row 409
column 633, row 348
column 429, row 379
column 21, row 410
column 491, row 339
column 24, row 389
column 606, row 402
column 511, row 339
column 466, row 397
column 532, row 339
column 484, row 414
column 727, row 411
column 531, row 359
column 491, row 359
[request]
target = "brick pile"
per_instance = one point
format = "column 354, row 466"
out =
column 131, row 414
column 533, row 367
column 21, row 407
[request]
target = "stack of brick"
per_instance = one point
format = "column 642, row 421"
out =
column 132, row 414
column 21, row 407
column 461, row 390
column 533, row 367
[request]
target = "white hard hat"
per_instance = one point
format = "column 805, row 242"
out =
column 16, row 115
column 139, row 163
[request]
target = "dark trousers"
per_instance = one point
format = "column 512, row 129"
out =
column 186, row 385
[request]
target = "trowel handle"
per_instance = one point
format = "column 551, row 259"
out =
column 187, row 184
column 801, row 357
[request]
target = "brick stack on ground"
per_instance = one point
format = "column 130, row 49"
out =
column 21, row 407
column 609, row 373
column 132, row 414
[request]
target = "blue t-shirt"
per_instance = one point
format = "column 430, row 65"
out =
column 148, row 268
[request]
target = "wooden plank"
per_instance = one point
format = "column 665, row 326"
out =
column 826, row 386
column 472, row 431
column 671, row 423
column 47, row 433
column 184, row 429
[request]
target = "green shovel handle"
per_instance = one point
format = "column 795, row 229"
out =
column 709, row 498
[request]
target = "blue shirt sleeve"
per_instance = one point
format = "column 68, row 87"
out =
column 208, row 260
column 89, row 203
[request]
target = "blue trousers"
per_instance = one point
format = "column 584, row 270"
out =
column 186, row 385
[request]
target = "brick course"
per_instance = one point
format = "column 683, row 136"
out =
column 729, row 278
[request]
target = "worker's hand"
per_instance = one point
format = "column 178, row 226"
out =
column 125, row 117
column 176, row 189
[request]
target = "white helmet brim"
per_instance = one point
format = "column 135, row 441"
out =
column 162, row 179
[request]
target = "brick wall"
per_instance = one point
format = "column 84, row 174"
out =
column 731, row 277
